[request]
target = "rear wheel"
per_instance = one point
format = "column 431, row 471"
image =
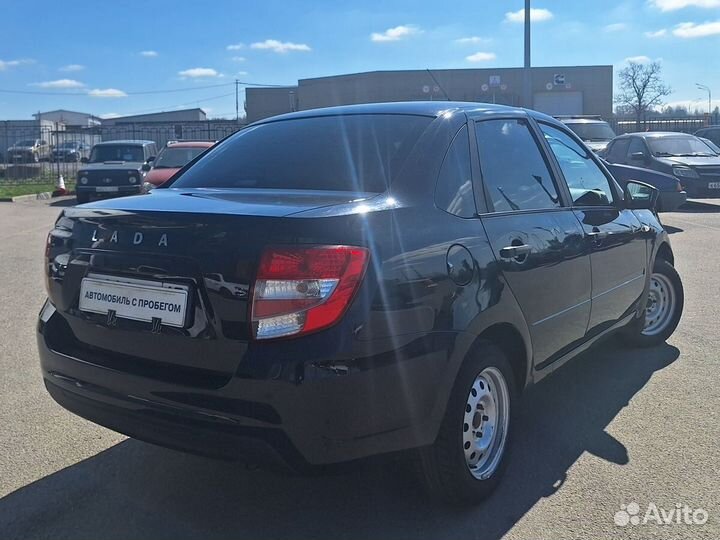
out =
column 663, row 308
column 465, row 463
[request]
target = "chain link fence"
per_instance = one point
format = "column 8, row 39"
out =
column 37, row 154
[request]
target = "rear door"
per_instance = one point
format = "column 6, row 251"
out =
column 613, row 234
column 536, row 239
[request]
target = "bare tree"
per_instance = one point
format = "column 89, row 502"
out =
column 641, row 88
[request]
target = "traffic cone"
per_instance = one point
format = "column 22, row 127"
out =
column 61, row 190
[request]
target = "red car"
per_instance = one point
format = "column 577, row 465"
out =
column 174, row 157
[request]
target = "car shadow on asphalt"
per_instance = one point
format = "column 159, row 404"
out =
column 64, row 202
column 699, row 207
column 139, row 490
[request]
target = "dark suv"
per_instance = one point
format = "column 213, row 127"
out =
column 393, row 277
column 114, row 168
column 689, row 159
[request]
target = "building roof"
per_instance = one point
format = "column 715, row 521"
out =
column 66, row 111
column 139, row 117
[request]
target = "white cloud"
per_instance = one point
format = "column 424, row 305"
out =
column 481, row 57
column 238, row 59
column 640, row 59
column 241, row 73
column 536, row 15
column 4, row 64
column 657, row 33
column 472, row 40
column 149, row 54
column 281, row 47
column 60, row 83
column 674, row 5
column 235, row 47
column 107, row 93
column 72, row 67
column 615, row 27
column 395, row 34
column 198, row 72
column 110, row 115
column 693, row 30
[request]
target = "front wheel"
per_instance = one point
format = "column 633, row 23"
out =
column 663, row 308
column 465, row 463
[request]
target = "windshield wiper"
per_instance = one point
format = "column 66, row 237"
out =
column 665, row 154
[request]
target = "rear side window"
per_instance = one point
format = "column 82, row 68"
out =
column 514, row 172
column 339, row 153
column 454, row 192
column 588, row 184
column 618, row 151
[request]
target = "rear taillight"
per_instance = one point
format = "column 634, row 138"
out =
column 304, row 289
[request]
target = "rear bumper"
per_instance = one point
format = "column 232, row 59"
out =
column 670, row 201
column 323, row 418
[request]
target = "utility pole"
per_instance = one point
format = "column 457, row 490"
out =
column 527, row 80
column 237, row 102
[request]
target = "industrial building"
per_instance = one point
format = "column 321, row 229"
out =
column 555, row 90
column 181, row 115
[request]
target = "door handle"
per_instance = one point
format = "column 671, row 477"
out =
column 597, row 235
column 515, row 252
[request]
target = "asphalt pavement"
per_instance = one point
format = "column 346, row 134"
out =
column 606, row 447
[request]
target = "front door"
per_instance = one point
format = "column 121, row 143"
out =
column 535, row 237
column 618, row 252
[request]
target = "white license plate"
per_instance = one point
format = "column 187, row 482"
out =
column 713, row 185
column 106, row 189
column 138, row 300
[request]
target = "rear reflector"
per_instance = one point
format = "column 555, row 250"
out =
column 305, row 289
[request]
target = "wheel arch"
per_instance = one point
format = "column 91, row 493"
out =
column 510, row 340
column 664, row 251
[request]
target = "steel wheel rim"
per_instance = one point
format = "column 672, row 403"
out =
column 660, row 305
column 485, row 423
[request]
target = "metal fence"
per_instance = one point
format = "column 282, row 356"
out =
column 683, row 124
column 38, row 154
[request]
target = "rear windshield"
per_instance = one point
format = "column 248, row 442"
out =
column 595, row 131
column 339, row 153
column 175, row 158
column 116, row 152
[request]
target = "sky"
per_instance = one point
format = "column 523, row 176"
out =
column 127, row 57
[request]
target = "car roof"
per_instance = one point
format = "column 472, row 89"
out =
column 571, row 120
column 125, row 141
column 418, row 108
column 657, row 134
column 190, row 144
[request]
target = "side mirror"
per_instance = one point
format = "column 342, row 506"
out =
column 84, row 160
column 640, row 196
column 151, row 159
column 145, row 167
column 637, row 156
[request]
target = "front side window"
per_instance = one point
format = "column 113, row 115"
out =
column 514, row 172
column 636, row 146
column 454, row 192
column 588, row 184
column 618, row 151
column 361, row 152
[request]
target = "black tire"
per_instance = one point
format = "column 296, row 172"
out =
column 82, row 198
column 634, row 334
column 442, row 466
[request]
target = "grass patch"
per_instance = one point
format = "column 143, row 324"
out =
column 13, row 190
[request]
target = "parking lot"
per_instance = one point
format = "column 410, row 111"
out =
column 613, row 427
